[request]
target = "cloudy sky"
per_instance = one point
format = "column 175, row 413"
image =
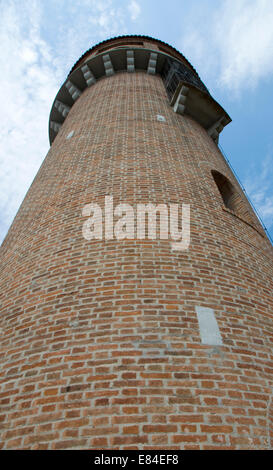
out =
column 229, row 42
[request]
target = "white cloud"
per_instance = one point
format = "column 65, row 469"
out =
column 233, row 42
column 40, row 41
column 134, row 9
column 258, row 185
column 28, row 84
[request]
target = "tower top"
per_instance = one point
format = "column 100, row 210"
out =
column 136, row 40
column 186, row 91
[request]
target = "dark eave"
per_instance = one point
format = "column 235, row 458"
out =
column 188, row 94
column 130, row 37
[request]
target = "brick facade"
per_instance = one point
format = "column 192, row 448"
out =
column 100, row 343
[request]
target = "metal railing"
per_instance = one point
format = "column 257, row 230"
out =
column 247, row 196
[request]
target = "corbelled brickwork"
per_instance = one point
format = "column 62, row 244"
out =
column 100, row 341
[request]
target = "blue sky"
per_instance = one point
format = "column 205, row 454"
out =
column 229, row 42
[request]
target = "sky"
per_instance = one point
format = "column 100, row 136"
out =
column 229, row 42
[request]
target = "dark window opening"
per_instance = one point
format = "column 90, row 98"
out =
column 225, row 189
column 232, row 198
column 175, row 72
column 119, row 44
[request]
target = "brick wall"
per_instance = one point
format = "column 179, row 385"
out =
column 100, row 343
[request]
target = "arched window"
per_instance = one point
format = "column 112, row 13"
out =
column 232, row 198
column 226, row 189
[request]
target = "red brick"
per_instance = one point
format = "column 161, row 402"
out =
column 102, row 347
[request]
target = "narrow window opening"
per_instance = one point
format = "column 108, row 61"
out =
column 120, row 44
column 225, row 188
column 232, row 198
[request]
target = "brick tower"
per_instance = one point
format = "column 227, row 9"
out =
column 127, row 343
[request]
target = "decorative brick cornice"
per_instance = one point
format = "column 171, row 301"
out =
column 136, row 37
column 200, row 105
